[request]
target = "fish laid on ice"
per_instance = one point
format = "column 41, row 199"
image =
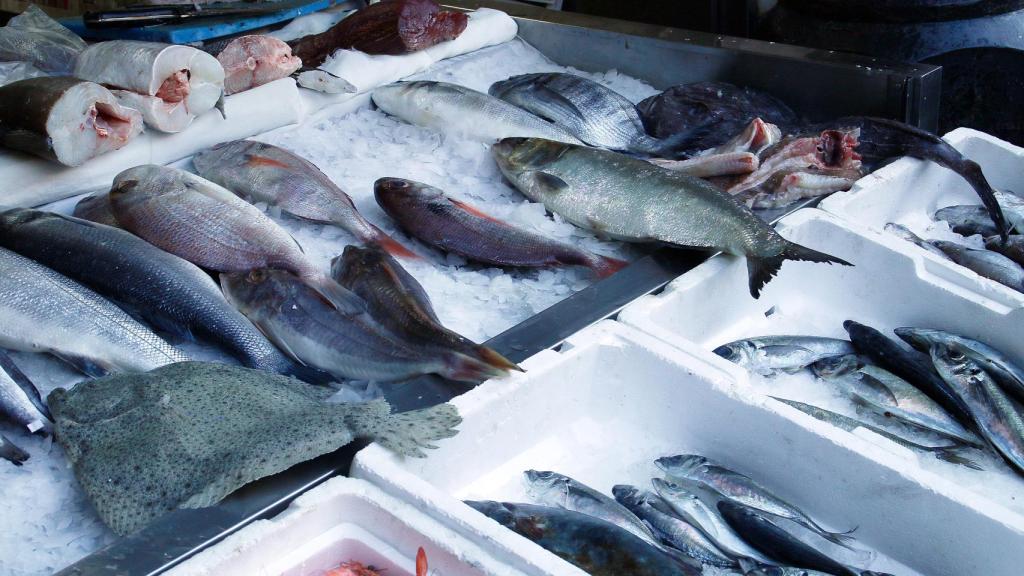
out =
column 967, row 220
column 767, row 354
column 11, row 452
column 905, row 233
column 396, row 300
column 34, row 37
column 459, row 110
column 166, row 291
column 590, row 111
column 95, row 208
column 632, row 200
column 43, row 311
column 553, row 489
column 349, row 344
column 426, row 213
column 254, row 60
column 270, row 174
column 187, row 435
column 64, row 119
column 169, row 84
column 986, row 263
column 597, row 547
column 20, row 401
column 712, row 165
column 1013, row 248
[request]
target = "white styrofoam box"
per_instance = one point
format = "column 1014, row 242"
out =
column 345, row 519
column 950, row 509
column 612, row 399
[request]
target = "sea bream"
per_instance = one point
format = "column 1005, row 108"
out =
column 459, row 110
column 254, row 60
column 43, row 311
column 450, row 225
column 169, row 84
column 268, row 173
column 64, row 119
column 629, row 199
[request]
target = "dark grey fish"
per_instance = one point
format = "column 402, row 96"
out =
column 593, row 545
column 590, row 111
column 632, row 200
column 187, row 435
column 1009, row 375
column 96, row 208
column 9, row 451
column 986, row 263
column 1012, row 248
column 904, row 233
column 967, row 220
column 20, row 401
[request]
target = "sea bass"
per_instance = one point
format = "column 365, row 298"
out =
column 985, row 263
column 1009, row 375
column 64, row 119
column 632, row 200
column 187, row 435
column 268, row 173
column 426, row 213
column 254, row 60
column 43, row 311
column 456, row 109
column 768, row 354
column 20, row 401
column 399, row 303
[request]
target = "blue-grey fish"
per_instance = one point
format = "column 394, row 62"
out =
column 768, row 354
column 986, row 263
column 1009, row 375
column 967, row 220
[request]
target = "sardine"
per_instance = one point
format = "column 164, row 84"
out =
column 768, row 354
column 986, row 263
column 348, row 344
column 593, row 545
column 553, row 489
column 168, row 292
column 270, row 174
column 96, row 208
column 675, row 532
column 740, row 488
column 11, row 452
column 595, row 114
column 456, row 109
column 399, row 303
column 998, row 417
column 943, row 451
column 713, row 165
column 34, row 37
column 187, row 435
column 632, row 200
column 20, row 401
column 426, row 213
column 43, row 311
column 1012, row 248
column 967, row 220
column 64, row 119
column 775, row 542
column 905, row 233
column 254, row 60
column 1009, row 375
column 169, row 84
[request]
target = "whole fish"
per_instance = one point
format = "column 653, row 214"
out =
column 713, row 165
column 775, row 542
column 986, row 263
column 630, row 199
column 997, row 416
column 740, row 488
column 911, row 366
column 20, row 401
column 593, row 545
column 43, row 311
column 165, row 290
column 675, row 532
column 399, row 303
column 768, row 354
column 95, row 208
column 34, row 37
column 459, row 110
column 348, row 344
column 967, row 220
column 11, row 452
column 254, row 60
column 1012, row 248
column 905, row 233
column 187, row 435
column 850, row 375
column 426, row 213
column 553, row 489
column 36, row 116
column 1009, row 375
column 942, row 450
column 270, row 174
column 595, row 114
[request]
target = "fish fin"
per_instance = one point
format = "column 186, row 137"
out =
column 945, row 155
column 90, row 368
column 392, row 246
column 464, row 368
column 11, row 452
column 301, row 249
column 405, row 433
column 839, row 538
column 220, row 106
column 476, row 211
column 340, row 298
column 421, row 562
column 257, row 161
column 880, row 387
column 605, row 266
column 495, row 359
column 548, row 182
column 7, row 365
column 948, row 455
column 268, row 331
column 763, row 269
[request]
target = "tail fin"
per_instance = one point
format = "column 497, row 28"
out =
column 463, row 368
column 605, row 266
column 391, row 246
column 945, row 155
column 10, row 452
column 492, row 357
column 763, row 269
column 407, row 433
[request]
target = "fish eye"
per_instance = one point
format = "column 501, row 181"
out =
column 257, row 276
column 957, row 355
column 400, row 184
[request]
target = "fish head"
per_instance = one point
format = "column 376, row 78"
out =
column 670, row 489
column 835, row 366
column 953, row 365
column 404, row 99
column 21, row 216
column 394, row 191
column 258, row 290
column 681, row 465
column 353, row 259
column 140, row 184
column 742, row 352
column 517, row 154
column 496, row 511
column 629, row 496
column 920, row 338
column 547, row 487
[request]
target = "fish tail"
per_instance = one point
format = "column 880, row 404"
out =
column 839, row 538
column 464, row 368
column 605, row 266
column 406, row 433
column 493, row 358
column 945, row 155
column 948, row 455
column 10, row 452
column 390, row 245
column 763, row 269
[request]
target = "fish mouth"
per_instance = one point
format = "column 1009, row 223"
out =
column 725, row 351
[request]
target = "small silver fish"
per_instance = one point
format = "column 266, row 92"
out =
column 768, row 354
column 905, row 233
column 985, row 263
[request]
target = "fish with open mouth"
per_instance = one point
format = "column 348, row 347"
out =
column 632, row 200
column 64, row 119
column 428, row 214
column 169, row 84
column 268, row 173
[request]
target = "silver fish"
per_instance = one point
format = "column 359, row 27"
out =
column 553, row 489
column 905, row 233
column 985, row 263
column 1013, row 248
column 43, row 311
column 768, row 354
column 20, row 401
column 629, row 199
column 456, row 109
column 848, row 373
column 1009, row 375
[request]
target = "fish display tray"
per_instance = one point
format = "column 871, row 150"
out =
column 909, row 191
column 341, row 521
column 610, row 400
column 948, row 509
